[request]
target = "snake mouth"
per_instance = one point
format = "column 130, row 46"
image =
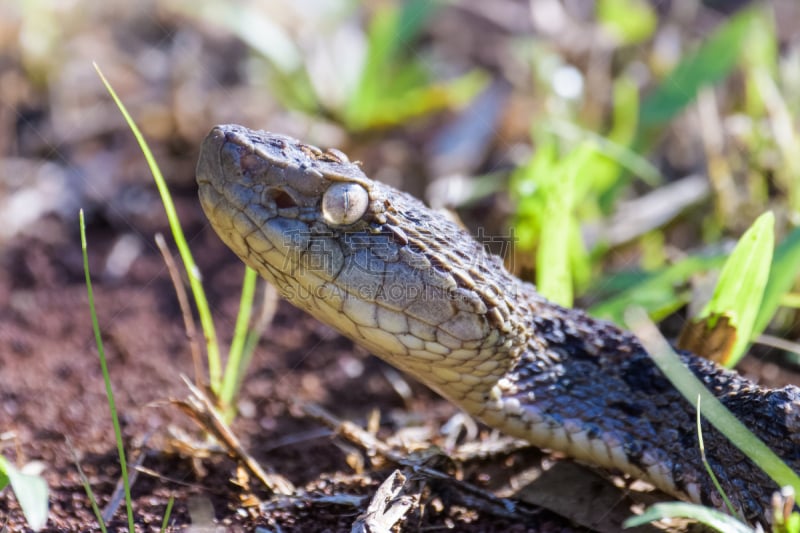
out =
column 209, row 164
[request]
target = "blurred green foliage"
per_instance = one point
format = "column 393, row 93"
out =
column 380, row 80
column 660, row 292
column 710, row 63
column 395, row 85
column 629, row 21
column 581, row 169
column 550, row 192
column 716, row 520
column 31, row 492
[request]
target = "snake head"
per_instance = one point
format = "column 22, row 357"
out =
column 274, row 200
column 373, row 262
column 261, row 173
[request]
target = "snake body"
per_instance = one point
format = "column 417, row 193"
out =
column 415, row 289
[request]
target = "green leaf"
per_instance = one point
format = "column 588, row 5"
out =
column 31, row 492
column 793, row 524
column 759, row 57
column 762, row 43
column 3, row 476
column 629, row 21
column 782, row 277
column 710, row 517
column 710, row 63
column 553, row 279
column 741, row 284
column 192, row 272
column 559, row 225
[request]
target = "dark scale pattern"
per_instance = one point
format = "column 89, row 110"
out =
column 623, row 392
column 415, row 289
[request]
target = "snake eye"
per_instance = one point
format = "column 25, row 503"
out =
column 344, row 203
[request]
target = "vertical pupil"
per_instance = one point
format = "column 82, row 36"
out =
column 344, row 203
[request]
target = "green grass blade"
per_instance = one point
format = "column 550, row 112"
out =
column 741, row 284
column 710, row 471
column 553, row 259
column 267, row 310
column 106, row 377
column 422, row 99
column 31, row 492
column 710, row 517
column 233, row 369
column 549, row 189
column 712, row 409
column 192, row 272
column 553, row 275
column 710, row 63
column 88, row 489
column 782, row 276
column 167, row 513
column 260, row 32
column 620, row 154
column 369, row 88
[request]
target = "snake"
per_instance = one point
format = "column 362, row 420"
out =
column 414, row 288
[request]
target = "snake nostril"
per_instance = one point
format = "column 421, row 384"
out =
column 282, row 198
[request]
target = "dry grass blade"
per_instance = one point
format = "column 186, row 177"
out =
column 118, row 497
column 183, row 302
column 483, row 450
column 269, row 305
column 649, row 212
column 728, row 200
column 482, row 500
column 779, row 343
column 196, row 487
column 86, row 485
column 203, row 412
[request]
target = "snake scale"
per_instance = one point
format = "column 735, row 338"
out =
column 415, row 289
